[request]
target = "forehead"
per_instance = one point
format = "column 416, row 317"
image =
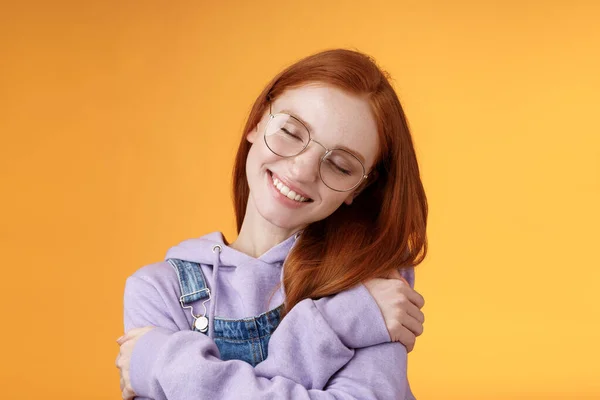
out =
column 334, row 117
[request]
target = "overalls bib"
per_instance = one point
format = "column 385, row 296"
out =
column 240, row 339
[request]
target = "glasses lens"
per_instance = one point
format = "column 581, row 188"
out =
column 285, row 135
column 341, row 170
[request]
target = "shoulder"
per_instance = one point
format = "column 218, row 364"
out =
column 156, row 273
column 152, row 298
column 160, row 277
column 159, row 271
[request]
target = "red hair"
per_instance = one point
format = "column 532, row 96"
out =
column 384, row 228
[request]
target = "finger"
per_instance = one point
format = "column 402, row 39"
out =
column 414, row 296
column 133, row 333
column 128, row 394
column 414, row 312
column 406, row 337
column 130, row 334
column 122, row 339
column 413, row 325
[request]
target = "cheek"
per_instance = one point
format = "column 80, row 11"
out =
column 255, row 155
column 259, row 157
column 331, row 201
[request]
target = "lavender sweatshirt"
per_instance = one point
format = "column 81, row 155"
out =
column 336, row 347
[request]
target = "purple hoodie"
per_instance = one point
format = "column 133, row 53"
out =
column 337, row 347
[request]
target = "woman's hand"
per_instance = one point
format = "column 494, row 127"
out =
column 401, row 308
column 127, row 342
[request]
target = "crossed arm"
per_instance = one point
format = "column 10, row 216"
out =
column 332, row 348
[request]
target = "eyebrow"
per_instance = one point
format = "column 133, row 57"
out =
column 310, row 129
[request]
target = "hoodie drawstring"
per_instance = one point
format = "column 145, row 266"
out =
column 213, row 304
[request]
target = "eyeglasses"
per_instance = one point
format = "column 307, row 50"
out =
column 339, row 169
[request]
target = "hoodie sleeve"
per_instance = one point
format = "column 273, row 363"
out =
column 144, row 306
column 311, row 354
column 376, row 372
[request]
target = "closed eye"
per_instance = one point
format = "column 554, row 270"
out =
column 288, row 133
column 339, row 168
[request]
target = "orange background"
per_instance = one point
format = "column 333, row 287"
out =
column 120, row 121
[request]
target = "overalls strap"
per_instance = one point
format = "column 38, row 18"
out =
column 191, row 281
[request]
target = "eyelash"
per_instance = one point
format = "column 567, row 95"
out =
column 290, row 133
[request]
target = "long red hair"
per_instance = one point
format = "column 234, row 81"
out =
column 384, row 228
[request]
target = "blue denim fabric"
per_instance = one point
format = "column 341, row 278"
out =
column 241, row 339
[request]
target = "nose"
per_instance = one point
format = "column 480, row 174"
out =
column 305, row 166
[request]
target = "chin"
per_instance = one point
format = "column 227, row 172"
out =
column 281, row 221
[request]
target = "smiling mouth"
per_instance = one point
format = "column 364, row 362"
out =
column 287, row 192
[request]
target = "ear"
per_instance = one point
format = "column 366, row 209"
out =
column 353, row 195
column 349, row 199
column 372, row 177
column 253, row 134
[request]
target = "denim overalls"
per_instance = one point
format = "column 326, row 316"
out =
column 241, row 339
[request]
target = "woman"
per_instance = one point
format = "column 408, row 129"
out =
column 328, row 201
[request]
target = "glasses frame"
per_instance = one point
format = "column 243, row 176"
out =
column 328, row 151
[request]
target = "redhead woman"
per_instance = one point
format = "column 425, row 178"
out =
column 314, row 299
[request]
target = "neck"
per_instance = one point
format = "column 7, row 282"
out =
column 258, row 235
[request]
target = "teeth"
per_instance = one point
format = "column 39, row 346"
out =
column 286, row 191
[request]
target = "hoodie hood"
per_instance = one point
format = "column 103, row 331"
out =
column 200, row 250
column 246, row 283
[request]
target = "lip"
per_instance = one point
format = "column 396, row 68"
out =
column 284, row 199
column 288, row 184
